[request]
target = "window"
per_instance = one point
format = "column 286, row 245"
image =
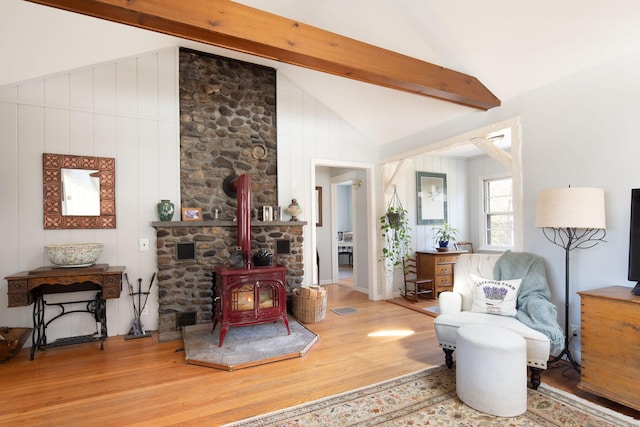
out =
column 498, row 213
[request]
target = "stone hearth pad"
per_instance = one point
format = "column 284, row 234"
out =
column 246, row 346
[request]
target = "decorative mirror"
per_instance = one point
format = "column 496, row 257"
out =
column 79, row 191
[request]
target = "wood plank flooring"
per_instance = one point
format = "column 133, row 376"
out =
column 145, row 383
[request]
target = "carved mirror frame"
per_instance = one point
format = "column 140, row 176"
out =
column 52, row 165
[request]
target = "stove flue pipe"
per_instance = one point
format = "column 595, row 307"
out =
column 242, row 186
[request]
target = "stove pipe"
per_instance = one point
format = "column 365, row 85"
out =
column 242, row 186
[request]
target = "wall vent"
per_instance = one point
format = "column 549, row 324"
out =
column 185, row 251
column 185, row 318
column 283, row 246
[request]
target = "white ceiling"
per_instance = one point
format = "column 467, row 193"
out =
column 511, row 46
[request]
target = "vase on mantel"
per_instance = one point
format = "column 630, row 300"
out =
column 294, row 210
column 165, row 210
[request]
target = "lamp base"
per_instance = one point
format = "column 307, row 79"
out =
column 570, row 358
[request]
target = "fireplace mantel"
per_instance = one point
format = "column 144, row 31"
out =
column 169, row 224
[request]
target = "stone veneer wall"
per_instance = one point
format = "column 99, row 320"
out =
column 227, row 117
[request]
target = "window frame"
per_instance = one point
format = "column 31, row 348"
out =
column 483, row 214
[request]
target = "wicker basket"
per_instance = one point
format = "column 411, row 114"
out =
column 11, row 341
column 310, row 304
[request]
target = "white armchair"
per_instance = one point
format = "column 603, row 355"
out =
column 456, row 307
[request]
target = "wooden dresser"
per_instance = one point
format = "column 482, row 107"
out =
column 611, row 344
column 439, row 267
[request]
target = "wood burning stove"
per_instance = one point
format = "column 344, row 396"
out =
column 248, row 295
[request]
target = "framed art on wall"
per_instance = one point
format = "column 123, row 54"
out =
column 431, row 189
column 318, row 206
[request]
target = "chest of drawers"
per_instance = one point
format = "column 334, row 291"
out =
column 439, row 267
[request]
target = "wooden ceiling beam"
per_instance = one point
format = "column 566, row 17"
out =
column 234, row 26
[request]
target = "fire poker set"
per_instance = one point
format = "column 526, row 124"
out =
column 137, row 329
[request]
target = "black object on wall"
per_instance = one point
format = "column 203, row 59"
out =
column 634, row 241
column 185, row 251
column 283, row 246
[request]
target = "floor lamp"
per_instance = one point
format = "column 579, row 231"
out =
column 572, row 218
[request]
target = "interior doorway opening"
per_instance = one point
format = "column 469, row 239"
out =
column 500, row 142
column 343, row 210
column 345, row 242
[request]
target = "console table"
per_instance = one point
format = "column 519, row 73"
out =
column 346, row 248
column 30, row 287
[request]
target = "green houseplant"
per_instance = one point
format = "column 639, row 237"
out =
column 396, row 232
column 443, row 234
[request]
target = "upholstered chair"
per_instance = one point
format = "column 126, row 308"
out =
column 535, row 317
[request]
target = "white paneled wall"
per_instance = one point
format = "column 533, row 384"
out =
column 480, row 168
column 457, row 206
column 464, row 194
column 307, row 130
column 126, row 109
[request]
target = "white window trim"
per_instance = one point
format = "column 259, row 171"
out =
column 482, row 235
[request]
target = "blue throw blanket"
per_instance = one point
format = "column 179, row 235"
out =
column 535, row 308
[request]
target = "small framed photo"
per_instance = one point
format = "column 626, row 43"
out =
column 192, row 214
column 277, row 213
column 267, row 213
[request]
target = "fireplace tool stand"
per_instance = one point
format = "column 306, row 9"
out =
column 137, row 329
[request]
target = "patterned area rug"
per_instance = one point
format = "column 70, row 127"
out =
column 429, row 397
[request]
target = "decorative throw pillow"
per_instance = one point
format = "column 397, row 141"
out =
column 495, row 296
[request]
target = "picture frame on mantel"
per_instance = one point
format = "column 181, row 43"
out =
column 267, row 213
column 192, row 214
column 431, row 189
column 277, row 213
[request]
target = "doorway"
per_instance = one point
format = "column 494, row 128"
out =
column 343, row 211
column 484, row 142
column 345, row 242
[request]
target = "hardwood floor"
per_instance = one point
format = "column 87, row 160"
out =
column 143, row 382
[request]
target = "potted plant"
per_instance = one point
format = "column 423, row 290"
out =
column 395, row 230
column 394, row 217
column 444, row 233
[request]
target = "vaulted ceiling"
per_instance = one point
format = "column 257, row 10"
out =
column 511, row 47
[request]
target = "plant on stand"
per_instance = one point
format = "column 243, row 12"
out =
column 443, row 234
column 395, row 230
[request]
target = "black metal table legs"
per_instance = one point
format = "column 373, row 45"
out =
column 97, row 307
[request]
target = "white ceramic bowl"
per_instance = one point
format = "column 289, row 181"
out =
column 74, row 254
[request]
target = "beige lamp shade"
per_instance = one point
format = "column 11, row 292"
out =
column 571, row 207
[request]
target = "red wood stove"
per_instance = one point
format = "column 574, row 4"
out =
column 248, row 295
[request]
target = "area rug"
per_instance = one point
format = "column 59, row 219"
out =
column 344, row 310
column 246, row 346
column 428, row 397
